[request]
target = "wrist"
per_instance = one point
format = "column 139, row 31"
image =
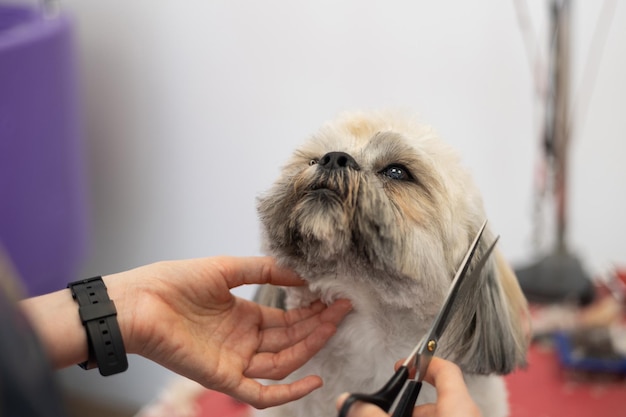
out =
column 122, row 296
column 131, row 296
column 140, row 296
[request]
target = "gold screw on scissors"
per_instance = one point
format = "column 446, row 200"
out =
column 432, row 345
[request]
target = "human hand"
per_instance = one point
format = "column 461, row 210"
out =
column 453, row 399
column 182, row 315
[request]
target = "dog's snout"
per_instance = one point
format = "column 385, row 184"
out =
column 338, row 160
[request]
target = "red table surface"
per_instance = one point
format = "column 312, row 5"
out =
column 546, row 389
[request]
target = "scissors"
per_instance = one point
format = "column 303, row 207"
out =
column 419, row 359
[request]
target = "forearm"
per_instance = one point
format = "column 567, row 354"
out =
column 55, row 319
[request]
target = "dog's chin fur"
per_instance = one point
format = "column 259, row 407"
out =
column 385, row 223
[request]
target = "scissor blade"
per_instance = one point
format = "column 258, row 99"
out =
column 441, row 320
column 427, row 347
column 469, row 286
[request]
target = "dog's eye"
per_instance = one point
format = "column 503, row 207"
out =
column 312, row 162
column 397, row 172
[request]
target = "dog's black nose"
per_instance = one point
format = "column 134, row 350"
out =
column 338, row 160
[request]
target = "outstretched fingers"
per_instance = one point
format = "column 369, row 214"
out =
column 263, row 396
column 281, row 330
column 275, row 317
column 278, row 365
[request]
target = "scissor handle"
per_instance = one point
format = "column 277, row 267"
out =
column 382, row 398
column 407, row 401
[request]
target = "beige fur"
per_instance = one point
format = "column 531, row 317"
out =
column 375, row 207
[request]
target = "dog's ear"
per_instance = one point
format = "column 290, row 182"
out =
column 489, row 331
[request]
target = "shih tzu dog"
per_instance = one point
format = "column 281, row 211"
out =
column 376, row 208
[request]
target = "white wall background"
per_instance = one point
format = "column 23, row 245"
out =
column 192, row 107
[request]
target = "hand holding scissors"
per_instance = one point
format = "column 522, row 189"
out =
column 415, row 367
column 453, row 398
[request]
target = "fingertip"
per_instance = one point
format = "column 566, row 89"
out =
column 284, row 393
column 337, row 311
column 316, row 381
column 341, row 399
column 446, row 377
column 344, row 304
column 307, row 385
column 317, row 306
column 439, row 367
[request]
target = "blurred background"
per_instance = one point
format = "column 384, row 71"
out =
column 187, row 110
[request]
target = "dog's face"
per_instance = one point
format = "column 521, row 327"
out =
column 377, row 202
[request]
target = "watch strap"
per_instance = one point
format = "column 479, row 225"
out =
column 99, row 316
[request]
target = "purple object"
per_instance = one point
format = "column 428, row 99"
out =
column 42, row 200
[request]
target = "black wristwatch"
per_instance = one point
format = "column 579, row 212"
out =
column 99, row 316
